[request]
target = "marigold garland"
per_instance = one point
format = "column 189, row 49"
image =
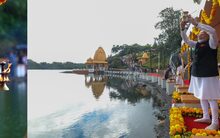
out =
column 184, row 47
column 195, row 30
column 177, row 127
column 209, row 19
column 176, row 96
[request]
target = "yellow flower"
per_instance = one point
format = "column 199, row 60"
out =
column 198, row 134
column 172, row 131
column 177, row 136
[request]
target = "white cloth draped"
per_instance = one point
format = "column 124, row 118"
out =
column 205, row 88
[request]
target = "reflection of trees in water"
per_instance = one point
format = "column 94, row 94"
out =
column 129, row 90
column 124, row 89
column 13, row 110
column 134, row 91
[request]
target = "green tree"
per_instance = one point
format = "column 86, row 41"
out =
column 119, row 51
column 169, row 40
column 55, row 65
column 13, row 24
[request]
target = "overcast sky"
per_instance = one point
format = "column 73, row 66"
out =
column 72, row 30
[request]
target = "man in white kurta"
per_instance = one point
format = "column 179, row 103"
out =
column 204, row 82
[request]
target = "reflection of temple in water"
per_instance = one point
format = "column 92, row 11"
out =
column 97, row 84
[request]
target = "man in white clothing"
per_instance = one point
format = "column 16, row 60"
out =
column 204, row 82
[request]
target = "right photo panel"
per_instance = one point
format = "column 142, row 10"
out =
column 122, row 69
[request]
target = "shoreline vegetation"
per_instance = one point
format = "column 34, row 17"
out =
column 54, row 65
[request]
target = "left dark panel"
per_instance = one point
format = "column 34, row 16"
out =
column 13, row 68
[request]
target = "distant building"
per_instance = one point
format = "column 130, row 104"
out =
column 99, row 61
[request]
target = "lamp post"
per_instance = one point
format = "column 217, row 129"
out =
column 151, row 50
column 159, row 60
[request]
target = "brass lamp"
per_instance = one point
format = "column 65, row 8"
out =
column 4, row 74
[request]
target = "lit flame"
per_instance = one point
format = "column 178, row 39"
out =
column 2, row 1
column 8, row 69
column 6, row 78
column 1, row 79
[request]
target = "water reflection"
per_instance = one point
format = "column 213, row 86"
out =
column 120, row 88
column 97, row 84
column 128, row 90
column 13, row 110
column 90, row 106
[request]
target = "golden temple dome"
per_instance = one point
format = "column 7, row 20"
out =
column 89, row 61
column 100, row 56
column 145, row 56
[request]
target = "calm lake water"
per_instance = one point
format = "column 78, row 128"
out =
column 13, row 110
column 77, row 106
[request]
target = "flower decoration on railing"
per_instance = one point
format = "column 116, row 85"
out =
column 191, row 112
column 204, row 16
column 2, row 2
column 176, row 96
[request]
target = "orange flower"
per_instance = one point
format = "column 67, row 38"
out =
column 214, row 132
column 208, row 132
column 2, row 1
column 179, row 130
column 194, row 131
column 209, row 19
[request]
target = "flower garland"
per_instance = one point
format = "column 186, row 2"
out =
column 176, row 96
column 176, row 122
column 203, row 132
column 2, row 1
column 177, row 127
column 209, row 19
column 195, row 30
column 184, row 47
